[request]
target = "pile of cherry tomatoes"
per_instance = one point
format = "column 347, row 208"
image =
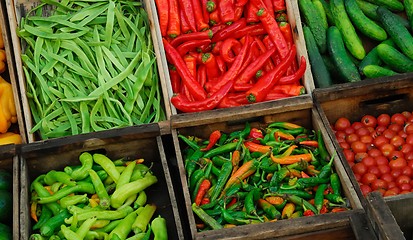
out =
column 379, row 150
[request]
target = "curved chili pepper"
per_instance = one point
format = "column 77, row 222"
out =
column 226, row 11
column 319, row 197
column 279, row 5
column 286, row 31
column 201, row 75
column 289, row 89
column 249, row 72
column 295, row 77
column 275, row 96
column 174, row 23
column 255, row 147
column 229, row 30
column 213, row 139
column 214, row 18
column 200, row 22
column 211, row 65
column 190, row 62
column 186, row 6
column 237, row 97
column 239, row 10
column 163, row 13
column 264, row 85
column 228, row 103
column 190, row 37
column 185, row 28
column 252, row 13
column 228, row 45
column 269, row 7
column 233, row 71
column 175, row 79
column 196, row 90
column 204, row 10
column 182, row 103
column 272, row 28
column 269, row 209
column 240, row 3
column 191, row 45
column 255, row 134
column 325, row 171
column 204, row 187
column 221, row 64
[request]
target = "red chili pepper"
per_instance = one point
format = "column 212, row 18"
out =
column 186, row 6
column 243, row 87
column 205, row 13
column 240, row 3
column 237, row 97
column 264, row 85
column 228, row 31
column 310, row 143
column 269, row 7
column 295, row 77
column 338, row 209
column 239, row 10
column 186, row 93
column 286, row 30
column 250, row 72
column 323, row 209
column 213, row 139
column 279, row 5
column 275, row 96
column 226, row 11
column 290, row 89
column 216, row 49
column 190, row 37
column 203, row 188
column 252, row 13
column 252, row 30
column 202, row 75
column 308, row 212
column 214, row 17
column 174, row 23
column 201, row 25
column 222, row 66
column 228, row 45
column 232, row 202
column 233, row 71
column 304, row 175
column 205, row 200
column 269, row 65
column 255, row 147
column 255, row 134
column 211, row 66
column 185, row 28
column 272, row 28
column 196, row 90
column 162, row 7
column 190, row 62
column 183, row 104
column 175, row 79
column 185, row 47
column 269, row 45
column 228, row 103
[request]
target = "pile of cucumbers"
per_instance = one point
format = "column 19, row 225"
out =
column 351, row 40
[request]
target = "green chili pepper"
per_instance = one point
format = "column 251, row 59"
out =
column 54, row 176
column 73, row 200
column 301, row 202
column 68, row 233
column 302, row 183
column 120, row 195
column 159, row 228
column 322, row 147
column 219, row 160
column 268, row 165
column 139, row 172
column 86, row 160
column 112, row 224
column 226, row 171
column 122, row 230
column 229, row 147
column 193, row 180
column 335, row 198
column 208, row 168
column 46, row 213
column 250, row 199
column 229, row 218
column 208, row 220
column 140, row 200
column 269, row 209
column 142, row 220
column 107, row 165
column 126, row 175
column 300, row 193
column 104, row 199
column 222, row 139
column 102, row 214
column 53, row 223
column 192, row 162
column 319, row 197
column 85, row 227
column 148, row 233
column 325, row 171
column 82, row 187
column 189, row 142
column 335, row 183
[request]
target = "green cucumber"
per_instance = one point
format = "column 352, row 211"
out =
column 347, row 30
column 392, row 5
column 315, row 22
column 327, row 10
column 370, row 10
column 400, row 35
column 364, row 24
column 321, row 11
column 321, row 75
column 408, row 7
column 372, row 58
column 335, row 46
column 394, row 58
column 375, row 71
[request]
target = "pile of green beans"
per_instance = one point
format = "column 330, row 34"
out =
column 99, row 199
column 89, row 66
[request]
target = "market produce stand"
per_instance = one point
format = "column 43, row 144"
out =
column 207, row 119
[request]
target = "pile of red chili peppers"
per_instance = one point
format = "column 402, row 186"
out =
column 256, row 175
column 229, row 53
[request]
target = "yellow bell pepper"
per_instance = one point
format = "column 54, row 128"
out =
column 10, row 138
column 8, row 113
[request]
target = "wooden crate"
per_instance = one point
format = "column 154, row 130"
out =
column 382, row 95
column 18, row 8
column 10, row 74
column 339, row 225
column 9, row 162
column 130, row 143
column 307, row 80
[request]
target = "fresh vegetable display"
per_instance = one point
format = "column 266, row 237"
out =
column 8, row 114
column 89, row 66
column 256, row 175
column 224, row 54
column 97, row 199
column 364, row 39
column 379, row 150
column 6, row 205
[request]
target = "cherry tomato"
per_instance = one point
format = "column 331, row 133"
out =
column 386, row 149
column 405, row 187
column 380, row 129
column 395, row 127
column 368, row 161
column 362, row 131
column 352, row 138
column 374, row 152
column 408, row 171
column 358, row 147
column 356, row 125
column 408, row 129
column 409, row 139
column 410, row 164
column 357, row 177
column 387, row 177
column 365, row 189
column 380, row 141
column 342, row 123
column 374, row 170
column 368, row 178
column 408, row 156
column 345, row 145
column 389, row 134
column 402, row 179
column 340, row 134
column 410, row 119
column 407, row 114
column 383, row 169
column 402, row 134
column 359, row 156
column 379, row 184
column 369, row 121
column 349, row 155
column 349, row 130
column 397, row 141
column 359, row 168
column 398, row 164
column 393, row 186
column 381, row 160
column 395, row 173
column 367, row 139
column 398, row 118
column 383, row 119
column 389, row 192
column 395, row 155
column 406, row 148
